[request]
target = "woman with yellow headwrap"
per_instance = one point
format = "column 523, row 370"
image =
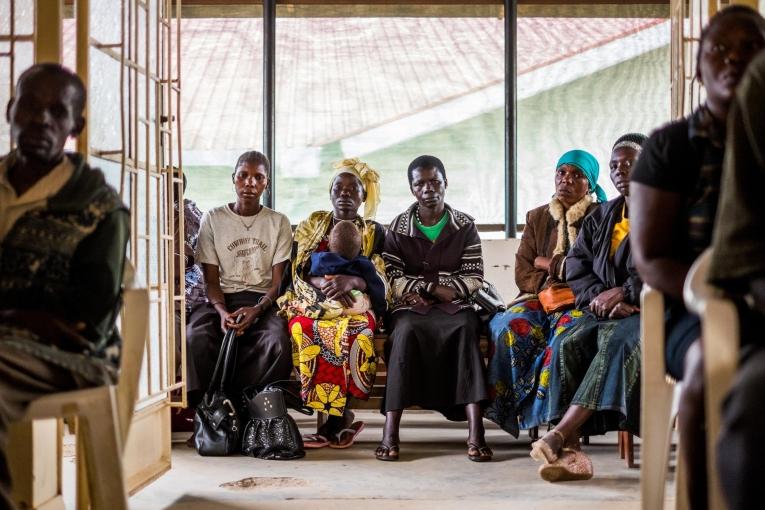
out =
column 334, row 353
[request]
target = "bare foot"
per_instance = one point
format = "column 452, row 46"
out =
column 555, row 440
column 573, row 443
column 548, row 448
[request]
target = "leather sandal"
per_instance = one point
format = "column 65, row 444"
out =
column 346, row 437
column 311, row 441
column 479, row 453
column 388, row 453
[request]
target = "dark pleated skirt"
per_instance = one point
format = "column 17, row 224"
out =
column 434, row 362
column 263, row 353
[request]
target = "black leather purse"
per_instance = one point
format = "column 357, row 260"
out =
column 271, row 433
column 488, row 301
column 217, row 428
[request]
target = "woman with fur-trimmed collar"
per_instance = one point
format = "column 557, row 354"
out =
column 595, row 369
column 433, row 259
column 524, row 335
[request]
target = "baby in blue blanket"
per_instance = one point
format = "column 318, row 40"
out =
column 343, row 258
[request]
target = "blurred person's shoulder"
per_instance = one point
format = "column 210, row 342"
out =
column 665, row 161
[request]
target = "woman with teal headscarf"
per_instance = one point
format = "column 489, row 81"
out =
column 524, row 336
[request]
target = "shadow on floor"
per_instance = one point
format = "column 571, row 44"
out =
column 196, row 503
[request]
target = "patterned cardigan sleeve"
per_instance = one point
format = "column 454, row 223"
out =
column 400, row 282
column 469, row 277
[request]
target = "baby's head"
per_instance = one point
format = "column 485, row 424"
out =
column 345, row 240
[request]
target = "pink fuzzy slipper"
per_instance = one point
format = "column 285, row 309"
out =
column 571, row 465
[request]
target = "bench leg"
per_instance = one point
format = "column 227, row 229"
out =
column 534, row 433
column 629, row 449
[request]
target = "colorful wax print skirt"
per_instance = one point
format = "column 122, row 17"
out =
column 335, row 358
column 522, row 342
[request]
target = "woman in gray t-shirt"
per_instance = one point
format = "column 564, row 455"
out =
column 243, row 249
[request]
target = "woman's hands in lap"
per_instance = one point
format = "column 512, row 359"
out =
column 248, row 315
column 339, row 287
column 414, row 299
column 542, row 263
column 445, row 294
column 606, row 301
column 623, row 310
column 610, row 304
column 440, row 294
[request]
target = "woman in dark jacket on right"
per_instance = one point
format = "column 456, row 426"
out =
column 595, row 371
column 675, row 188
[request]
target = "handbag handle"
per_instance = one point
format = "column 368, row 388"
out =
column 221, row 372
column 229, row 361
column 292, row 400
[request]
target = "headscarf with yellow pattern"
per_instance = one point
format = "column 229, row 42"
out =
column 369, row 178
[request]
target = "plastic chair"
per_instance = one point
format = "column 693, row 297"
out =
column 658, row 407
column 104, row 413
column 720, row 343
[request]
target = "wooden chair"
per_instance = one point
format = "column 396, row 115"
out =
column 104, row 413
column 720, row 342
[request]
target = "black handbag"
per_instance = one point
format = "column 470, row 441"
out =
column 488, row 301
column 217, row 427
column 271, row 433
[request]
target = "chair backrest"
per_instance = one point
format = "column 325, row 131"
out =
column 499, row 265
column 134, row 331
column 652, row 330
column 696, row 290
column 721, row 339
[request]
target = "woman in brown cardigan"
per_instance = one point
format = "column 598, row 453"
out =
column 523, row 336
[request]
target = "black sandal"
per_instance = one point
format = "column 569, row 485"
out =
column 479, row 453
column 388, row 453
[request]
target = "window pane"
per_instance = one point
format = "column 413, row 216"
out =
column 221, row 102
column 104, row 102
column 24, row 58
column 584, row 92
column 105, row 19
column 387, row 89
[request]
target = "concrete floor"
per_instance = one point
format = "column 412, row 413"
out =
column 433, row 473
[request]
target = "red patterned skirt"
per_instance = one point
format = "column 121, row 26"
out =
column 335, row 358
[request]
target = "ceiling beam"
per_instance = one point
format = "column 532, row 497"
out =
column 426, row 8
column 438, row 8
